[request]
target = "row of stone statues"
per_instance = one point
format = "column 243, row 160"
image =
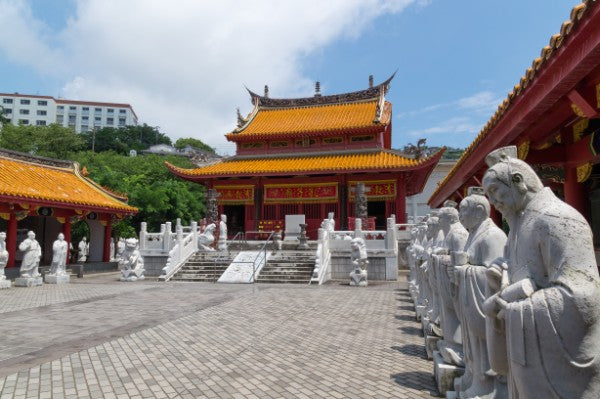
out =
column 508, row 317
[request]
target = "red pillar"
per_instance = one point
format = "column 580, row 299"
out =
column 11, row 240
column 67, row 234
column 574, row 191
column 107, row 236
column 400, row 200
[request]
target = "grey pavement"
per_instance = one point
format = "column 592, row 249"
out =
column 100, row 338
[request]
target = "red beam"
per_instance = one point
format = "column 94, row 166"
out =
column 588, row 109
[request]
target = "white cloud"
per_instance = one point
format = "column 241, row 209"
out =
column 182, row 64
column 454, row 131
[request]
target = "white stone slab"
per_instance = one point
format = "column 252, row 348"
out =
column 292, row 226
column 28, row 281
column 5, row 284
column 57, row 279
column 242, row 269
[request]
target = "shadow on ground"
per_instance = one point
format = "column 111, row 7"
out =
column 416, row 380
column 412, row 330
column 411, row 350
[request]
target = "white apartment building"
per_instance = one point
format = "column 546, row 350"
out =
column 82, row 116
column 416, row 205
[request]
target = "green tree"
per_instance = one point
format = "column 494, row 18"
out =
column 53, row 141
column 122, row 140
column 3, row 119
column 159, row 195
column 182, row 142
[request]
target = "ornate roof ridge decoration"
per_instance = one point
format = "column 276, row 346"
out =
column 38, row 160
column 578, row 13
column 370, row 93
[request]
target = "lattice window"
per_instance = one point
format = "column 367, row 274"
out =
column 287, row 209
column 269, row 212
column 312, row 211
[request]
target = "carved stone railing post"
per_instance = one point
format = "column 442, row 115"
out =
column 357, row 228
column 143, row 232
column 167, row 237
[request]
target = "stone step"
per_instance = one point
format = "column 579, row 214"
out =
column 283, row 281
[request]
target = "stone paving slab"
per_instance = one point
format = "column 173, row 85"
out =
column 203, row 340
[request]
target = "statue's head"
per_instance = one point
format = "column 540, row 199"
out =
column 474, row 209
column 83, row 239
column 509, row 182
column 61, row 237
column 131, row 243
column 30, row 234
column 432, row 226
column 224, row 218
column 447, row 217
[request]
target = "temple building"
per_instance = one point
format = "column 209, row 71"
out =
column 48, row 196
column 305, row 155
column 553, row 117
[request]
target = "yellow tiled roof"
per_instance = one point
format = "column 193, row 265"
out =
column 377, row 160
column 320, row 118
column 556, row 41
column 31, row 181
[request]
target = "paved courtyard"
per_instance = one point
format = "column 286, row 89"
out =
column 99, row 338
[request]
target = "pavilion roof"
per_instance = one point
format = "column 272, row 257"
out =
column 334, row 114
column 377, row 160
column 527, row 83
column 50, row 182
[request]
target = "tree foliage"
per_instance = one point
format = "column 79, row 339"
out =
column 122, row 140
column 182, row 142
column 159, row 195
column 53, row 141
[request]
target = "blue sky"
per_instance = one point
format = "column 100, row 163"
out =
column 183, row 64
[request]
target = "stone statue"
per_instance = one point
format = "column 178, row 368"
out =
column 4, row 283
column 58, row 273
column 31, row 259
column 132, row 263
column 84, row 250
column 548, row 287
column 455, row 238
column 223, row 233
column 112, row 250
column 207, row 238
column 485, row 243
column 302, row 238
column 437, row 244
column 358, row 277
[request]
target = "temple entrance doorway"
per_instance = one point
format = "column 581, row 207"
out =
column 236, row 215
column 376, row 209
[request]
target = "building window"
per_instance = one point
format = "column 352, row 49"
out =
column 110, row 110
column 121, row 121
column 7, row 101
column 60, row 108
column 42, row 102
column 85, row 118
column 71, row 119
column 59, row 119
column 122, row 111
column 85, row 108
column 252, row 145
column 97, row 119
column 306, row 143
column 97, row 109
column 24, row 111
column 41, row 112
column 23, row 121
column 40, row 123
column 8, row 110
column 110, row 121
column 84, row 128
column 25, row 102
column 72, row 108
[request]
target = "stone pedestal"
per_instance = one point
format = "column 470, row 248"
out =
column 358, row 278
column 445, row 374
column 57, row 279
column 431, row 345
column 5, row 284
column 420, row 309
column 28, row 281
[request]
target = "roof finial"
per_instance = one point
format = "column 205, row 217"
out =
column 240, row 120
column 266, row 91
column 318, row 89
column 370, row 81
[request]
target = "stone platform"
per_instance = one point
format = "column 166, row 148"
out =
column 28, row 281
column 57, row 279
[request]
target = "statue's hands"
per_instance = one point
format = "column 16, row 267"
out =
column 494, row 273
